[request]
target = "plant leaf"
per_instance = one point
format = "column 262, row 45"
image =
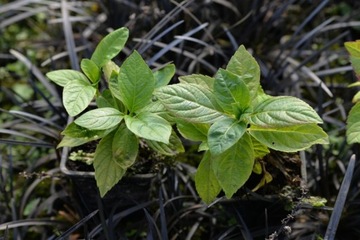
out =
column 109, row 69
column 110, row 46
column 190, row 102
column 64, row 76
column 90, row 69
column 230, row 89
column 125, row 147
column 260, row 150
column 283, row 111
column 136, row 83
column 234, row 166
column 77, row 95
column 205, row 180
column 173, row 148
column 193, row 131
column 100, row 118
column 224, row 134
column 353, row 125
column 290, row 138
column 164, row 75
column 198, row 79
column 106, row 100
column 244, row 65
column 75, row 131
column 149, row 126
column 68, row 141
column 107, row 171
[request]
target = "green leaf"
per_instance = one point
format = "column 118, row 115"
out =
column 149, row 126
column 64, row 76
column 198, row 79
column 105, row 100
column 290, row 138
column 100, row 118
column 230, row 89
column 159, row 109
column 234, row 166
column 205, row 180
column 173, row 148
column 353, row 48
column 244, row 65
column 193, row 131
column 224, row 134
column 136, row 83
column 75, row 131
column 107, row 171
column 90, row 69
column 260, row 150
column 190, row 102
column 110, row 46
column 164, row 75
column 125, row 147
column 77, row 95
column 67, row 141
column 353, row 125
column 283, row 111
column 109, row 69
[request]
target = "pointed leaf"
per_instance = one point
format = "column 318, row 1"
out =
column 164, row 75
column 198, row 79
column 109, row 69
column 353, row 125
column 234, row 166
column 260, row 150
column 77, row 95
column 290, row 138
column 67, row 141
column 110, row 46
column 193, row 131
column 125, row 147
column 190, row 102
column 283, row 111
column 205, row 180
column 90, row 69
column 100, row 118
column 76, row 131
column 64, row 76
column 149, row 126
column 173, row 148
column 136, row 83
column 105, row 100
column 224, row 134
column 107, row 171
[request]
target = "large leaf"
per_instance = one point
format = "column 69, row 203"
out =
column 77, row 95
column 193, row 131
column 190, row 102
column 110, row 46
column 136, row 82
column 230, row 90
column 164, row 75
column 75, row 131
column 243, row 64
column 353, row 125
column 173, row 148
column 224, row 134
column 64, row 76
column 107, row 171
column 283, row 111
column 100, row 118
column 290, row 138
column 91, row 70
column 205, row 180
column 149, row 126
column 234, row 166
column 198, row 79
column 125, row 147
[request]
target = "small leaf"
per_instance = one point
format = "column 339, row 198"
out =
column 260, row 150
column 234, row 166
column 198, row 79
column 64, row 76
column 136, row 83
column 107, row 171
column 91, row 70
column 110, row 68
column 149, row 126
column 110, row 46
column 230, row 90
column 283, row 111
column 75, row 131
column 242, row 64
column 353, row 125
column 290, row 138
column 67, row 141
column 173, row 148
column 193, row 131
column 100, row 119
column 353, row 48
column 190, row 102
column 105, row 100
column 77, row 95
column 224, row 134
column 164, row 75
column 205, row 180
column 125, row 147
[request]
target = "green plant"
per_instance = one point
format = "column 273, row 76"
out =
column 229, row 113
column 237, row 123
column 353, row 121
